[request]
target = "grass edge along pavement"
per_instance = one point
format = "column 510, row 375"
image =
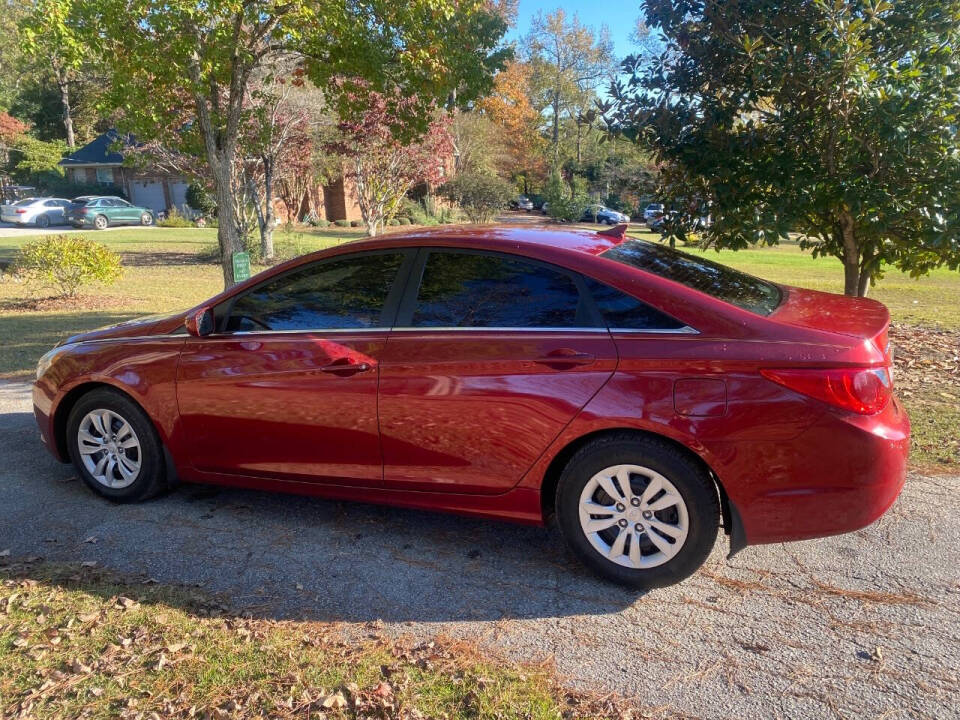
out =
column 76, row 640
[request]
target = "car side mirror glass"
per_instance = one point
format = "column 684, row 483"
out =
column 200, row 323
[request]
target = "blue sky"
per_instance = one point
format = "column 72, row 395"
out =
column 618, row 15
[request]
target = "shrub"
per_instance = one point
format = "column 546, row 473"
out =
column 565, row 201
column 480, row 195
column 403, row 220
column 342, row 223
column 200, row 200
column 393, row 221
column 174, row 220
column 66, row 262
column 355, row 223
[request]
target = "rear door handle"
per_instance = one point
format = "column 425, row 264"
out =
column 344, row 367
column 566, row 357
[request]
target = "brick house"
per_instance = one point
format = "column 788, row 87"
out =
column 98, row 162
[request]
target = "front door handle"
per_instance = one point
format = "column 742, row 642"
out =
column 565, row 358
column 345, row 367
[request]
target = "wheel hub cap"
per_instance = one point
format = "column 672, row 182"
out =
column 109, row 448
column 633, row 516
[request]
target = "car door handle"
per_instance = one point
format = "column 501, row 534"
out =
column 566, row 358
column 345, row 367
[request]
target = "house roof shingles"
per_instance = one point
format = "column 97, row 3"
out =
column 97, row 152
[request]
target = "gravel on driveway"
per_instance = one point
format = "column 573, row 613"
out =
column 861, row 625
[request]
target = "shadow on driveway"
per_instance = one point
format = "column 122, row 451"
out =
column 291, row 556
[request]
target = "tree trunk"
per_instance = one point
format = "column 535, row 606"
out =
column 266, row 229
column 579, row 142
column 228, row 234
column 64, row 85
column 852, row 285
column 556, row 127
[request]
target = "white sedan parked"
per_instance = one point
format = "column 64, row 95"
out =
column 42, row 212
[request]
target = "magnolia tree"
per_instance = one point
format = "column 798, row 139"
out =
column 382, row 167
column 834, row 120
column 166, row 59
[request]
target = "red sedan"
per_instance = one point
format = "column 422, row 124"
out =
column 642, row 396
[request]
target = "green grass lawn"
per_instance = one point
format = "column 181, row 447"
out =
column 164, row 272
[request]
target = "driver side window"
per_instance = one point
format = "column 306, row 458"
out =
column 330, row 295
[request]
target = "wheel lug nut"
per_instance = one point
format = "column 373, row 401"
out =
column 621, row 507
column 647, row 514
column 638, row 527
column 622, row 523
column 635, row 502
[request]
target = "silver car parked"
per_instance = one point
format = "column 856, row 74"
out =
column 42, row 212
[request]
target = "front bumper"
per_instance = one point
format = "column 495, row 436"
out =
column 839, row 475
column 43, row 397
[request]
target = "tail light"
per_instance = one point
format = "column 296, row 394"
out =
column 861, row 390
column 21, row 211
column 82, row 211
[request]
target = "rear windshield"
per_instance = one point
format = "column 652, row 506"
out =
column 724, row 283
column 25, row 201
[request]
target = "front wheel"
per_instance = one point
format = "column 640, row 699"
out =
column 43, row 221
column 115, row 447
column 146, row 219
column 637, row 511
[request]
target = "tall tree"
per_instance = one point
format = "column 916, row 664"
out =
column 568, row 62
column 508, row 105
column 835, row 119
column 181, row 71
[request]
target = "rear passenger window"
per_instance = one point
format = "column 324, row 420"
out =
column 474, row 290
column 624, row 312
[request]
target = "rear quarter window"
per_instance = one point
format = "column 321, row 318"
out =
column 711, row 278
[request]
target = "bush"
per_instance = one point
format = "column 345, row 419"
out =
column 342, row 223
column 61, row 187
column 480, row 194
column 355, row 223
column 174, row 220
column 393, row 221
column 403, row 220
column 200, row 200
column 66, row 262
column 565, row 201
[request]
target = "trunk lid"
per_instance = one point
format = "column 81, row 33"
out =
column 856, row 317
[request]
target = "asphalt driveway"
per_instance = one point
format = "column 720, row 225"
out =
column 863, row 625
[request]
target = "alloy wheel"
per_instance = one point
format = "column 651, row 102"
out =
column 109, row 448
column 633, row 516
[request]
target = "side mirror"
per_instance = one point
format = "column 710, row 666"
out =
column 200, row 323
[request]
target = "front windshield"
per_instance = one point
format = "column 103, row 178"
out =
column 719, row 281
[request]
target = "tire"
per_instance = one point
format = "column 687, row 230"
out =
column 43, row 221
column 689, row 512
column 146, row 219
column 114, row 408
column 100, row 222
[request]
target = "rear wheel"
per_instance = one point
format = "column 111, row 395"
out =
column 114, row 447
column 637, row 511
column 100, row 222
column 43, row 221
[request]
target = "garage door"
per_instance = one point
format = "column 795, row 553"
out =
column 148, row 194
column 178, row 192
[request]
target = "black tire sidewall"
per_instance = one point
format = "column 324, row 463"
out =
column 692, row 482
column 152, row 468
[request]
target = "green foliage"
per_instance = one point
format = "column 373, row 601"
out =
column 565, row 201
column 342, row 223
column 837, row 120
column 174, row 220
column 355, row 223
column 403, row 220
column 34, row 161
column 480, row 194
column 393, row 221
column 200, row 199
column 59, row 186
column 67, row 262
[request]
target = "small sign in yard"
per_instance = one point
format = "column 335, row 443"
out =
column 241, row 266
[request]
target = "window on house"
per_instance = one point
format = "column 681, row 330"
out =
column 105, row 176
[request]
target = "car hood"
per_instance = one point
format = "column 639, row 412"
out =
column 146, row 325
